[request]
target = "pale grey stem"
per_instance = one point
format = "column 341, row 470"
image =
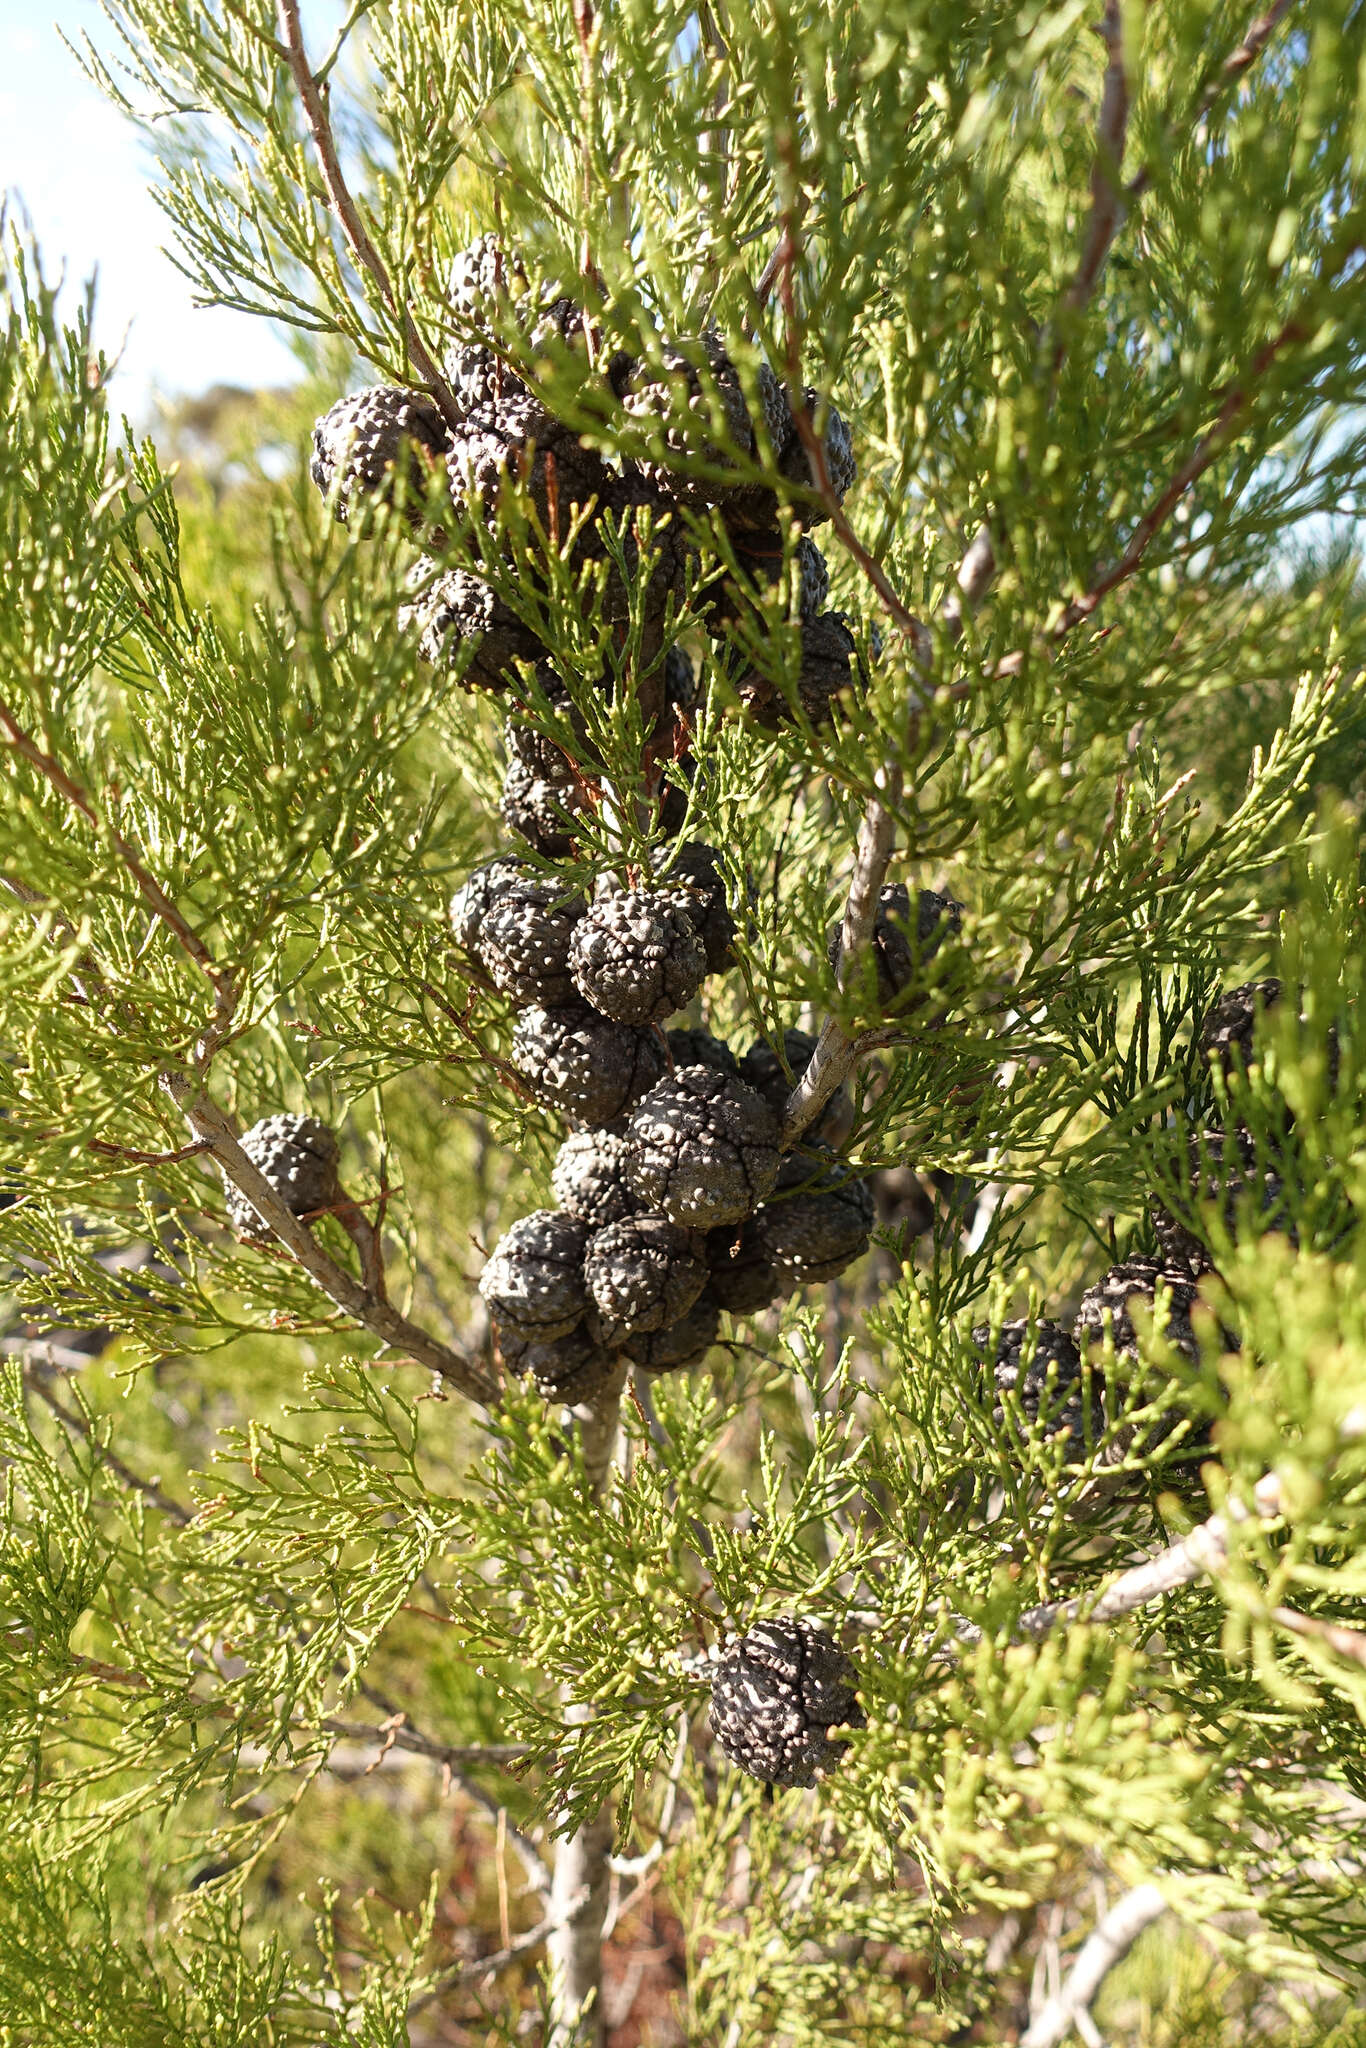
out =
column 836, row 1052
column 61, row 1358
column 472, row 1973
column 1204, row 1550
column 578, row 1913
column 209, row 1123
column 1347, row 1642
column 1111, row 1941
column 360, row 1736
column 352, row 1763
column 1201, row 1554
column 582, row 1884
column 976, row 572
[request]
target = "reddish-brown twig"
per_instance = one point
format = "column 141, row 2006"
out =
column 1107, row 194
column 218, row 978
column 1229, row 72
column 1209, row 447
column 348, row 214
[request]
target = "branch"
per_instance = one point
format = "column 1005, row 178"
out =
column 1110, row 200
column 160, row 904
column 976, row 573
column 582, row 1887
column 208, row 1122
column 1229, row 72
column 1113, row 1937
column 1107, row 195
column 400, row 1733
column 344, row 206
column 1211, row 444
column 1203, row 1553
column 365, row 1750
column 470, row 1973
column 1348, row 1642
column 36, row 1376
column 836, row 1051
column 58, row 1358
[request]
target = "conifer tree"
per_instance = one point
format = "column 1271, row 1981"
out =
column 680, row 1117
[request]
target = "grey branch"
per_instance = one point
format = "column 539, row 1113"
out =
column 1110, row 1942
column 1201, row 1554
column 976, row 573
column 353, row 1762
column 836, row 1052
column 582, row 1885
column 473, row 1973
column 209, row 1123
column 403, row 1736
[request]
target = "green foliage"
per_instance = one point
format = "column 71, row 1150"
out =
column 236, row 805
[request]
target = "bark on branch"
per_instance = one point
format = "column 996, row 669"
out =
column 836, row 1051
column 208, row 1122
column 314, row 104
column 582, row 1885
column 1203, row 1553
column 1108, row 198
column 1113, row 1937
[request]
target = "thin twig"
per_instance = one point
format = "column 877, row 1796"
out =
column 403, row 1735
column 1229, row 72
column 1107, row 193
column 347, row 212
column 836, row 1052
column 62, row 1358
column 538, row 1877
column 160, row 904
column 1110, row 1942
column 1348, row 1642
column 36, row 1376
column 1201, row 1554
column 369, row 1246
column 208, row 1122
column 1208, row 448
column 471, row 1973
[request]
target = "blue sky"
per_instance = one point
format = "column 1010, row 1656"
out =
column 82, row 173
